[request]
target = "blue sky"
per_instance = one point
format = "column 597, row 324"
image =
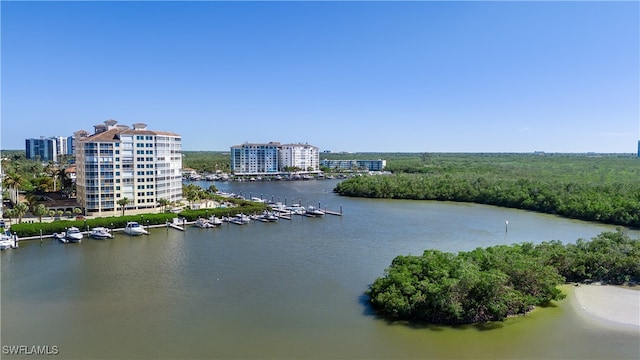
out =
column 344, row 76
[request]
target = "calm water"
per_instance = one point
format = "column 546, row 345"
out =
column 287, row 290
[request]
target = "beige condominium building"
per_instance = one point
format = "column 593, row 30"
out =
column 118, row 161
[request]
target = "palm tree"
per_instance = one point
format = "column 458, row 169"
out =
column 192, row 195
column 13, row 181
column 164, row 202
column 52, row 171
column 123, row 203
column 40, row 211
column 32, row 201
column 21, row 210
column 10, row 213
column 65, row 181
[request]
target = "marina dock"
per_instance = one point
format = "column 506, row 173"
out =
column 181, row 223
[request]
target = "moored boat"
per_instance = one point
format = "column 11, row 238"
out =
column 278, row 207
column 8, row 240
column 269, row 216
column 60, row 237
column 314, row 211
column 215, row 220
column 134, row 229
column 204, row 223
column 73, row 234
column 239, row 219
column 100, row 233
column 296, row 209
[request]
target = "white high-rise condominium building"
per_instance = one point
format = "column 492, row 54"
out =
column 48, row 149
column 301, row 156
column 255, row 158
column 118, row 162
column 273, row 158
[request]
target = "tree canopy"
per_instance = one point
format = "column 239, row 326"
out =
column 493, row 283
column 604, row 189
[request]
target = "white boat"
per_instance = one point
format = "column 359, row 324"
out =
column 269, row 217
column 239, row 219
column 215, row 220
column 100, row 233
column 61, row 237
column 296, row 209
column 134, row 229
column 278, row 207
column 73, row 234
column 8, row 240
column 204, row 223
column 313, row 211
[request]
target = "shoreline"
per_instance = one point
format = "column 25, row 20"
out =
column 608, row 304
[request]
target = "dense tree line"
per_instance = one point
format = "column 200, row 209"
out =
column 207, row 161
column 613, row 203
column 493, row 283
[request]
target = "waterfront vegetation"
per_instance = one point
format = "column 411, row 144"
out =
column 594, row 188
column 231, row 208
column 207, row 161
column 494, row 283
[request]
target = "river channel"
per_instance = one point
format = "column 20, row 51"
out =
column 286, row 290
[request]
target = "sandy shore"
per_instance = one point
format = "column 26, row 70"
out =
column 609, row 303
